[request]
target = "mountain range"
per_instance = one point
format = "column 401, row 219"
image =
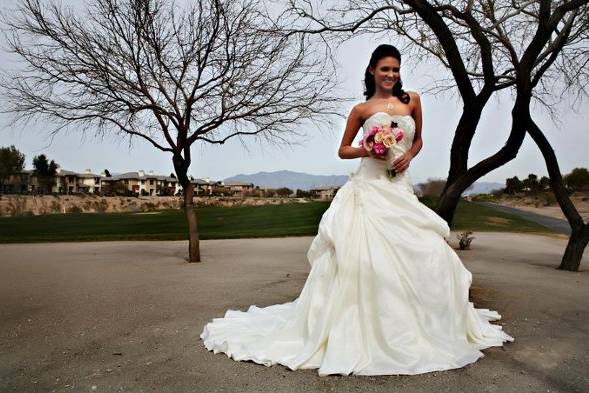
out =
column 305, row 181
column 292, row 180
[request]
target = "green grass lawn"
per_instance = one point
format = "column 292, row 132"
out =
column 474, row 217
column 219, row 223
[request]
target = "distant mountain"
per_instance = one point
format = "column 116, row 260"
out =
column 305, row 181
column 292, row 180
column 482, row 187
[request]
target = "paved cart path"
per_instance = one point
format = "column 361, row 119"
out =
column 556, row 224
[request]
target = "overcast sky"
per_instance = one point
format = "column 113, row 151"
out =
column 318, row 154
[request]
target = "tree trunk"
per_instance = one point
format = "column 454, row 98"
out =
column 465, row 130
column 580, row 231
column 575, row 247
column 190, row 213
column 448, row 202
column 450, row 197
column 181, row 167
column 447, row 206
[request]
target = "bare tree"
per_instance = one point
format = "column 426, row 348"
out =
column 431, row 187
column 528, row 47
column 579, row 238
column 173, row 77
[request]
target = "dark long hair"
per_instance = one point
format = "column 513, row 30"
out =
column 381, row 52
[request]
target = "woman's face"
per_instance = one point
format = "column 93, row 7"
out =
column 387, row 72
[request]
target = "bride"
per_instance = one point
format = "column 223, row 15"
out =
column 385, row 294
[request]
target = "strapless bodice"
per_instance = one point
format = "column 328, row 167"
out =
column 373, row 169
column 405, row 122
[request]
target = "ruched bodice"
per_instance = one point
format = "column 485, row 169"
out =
column 371, row 168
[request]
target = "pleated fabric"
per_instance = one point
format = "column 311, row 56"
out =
column 385, row 294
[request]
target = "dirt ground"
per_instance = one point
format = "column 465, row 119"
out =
column 126, row 316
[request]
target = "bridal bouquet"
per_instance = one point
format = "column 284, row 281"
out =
column 380, row 139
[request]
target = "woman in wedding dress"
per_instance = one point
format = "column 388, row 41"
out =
column 385, row 294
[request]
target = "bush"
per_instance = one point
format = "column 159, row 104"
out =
column 578, row 179
column 284, row 192
column 464, row 240
column 17, row 206
column 148, row 207
column 74, row 209
column 483, row 198
column 432, row 187
column 548, row 199
column 55, row 207
column 303, row 194
column 101, row 206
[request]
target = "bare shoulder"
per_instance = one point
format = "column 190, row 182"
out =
column 358, row 111
column 414, row 101
column 359, row 108
column 414, row 96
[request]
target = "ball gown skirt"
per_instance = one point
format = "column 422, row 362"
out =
column 385, row 294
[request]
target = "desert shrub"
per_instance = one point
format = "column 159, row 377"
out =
column 303, row 194
column 483, row 198
column 17, row 207
column 284, row 192
column 55, row 207
column 148, row 207
column 548, row 199
column 464, row 240
column 578, row 179
column 133, row 207
column 43, row 210
column 74, row 209
column 101, row 206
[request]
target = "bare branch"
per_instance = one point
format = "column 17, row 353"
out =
column 170, row 76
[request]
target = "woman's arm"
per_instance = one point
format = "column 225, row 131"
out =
column 402, row 163
column 346, row 150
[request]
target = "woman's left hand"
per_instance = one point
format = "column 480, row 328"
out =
column 402, row 163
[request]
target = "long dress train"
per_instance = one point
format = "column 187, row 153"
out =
column 385, row 294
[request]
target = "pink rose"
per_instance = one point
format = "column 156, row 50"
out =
column 374, row 130
column 379, row 149
column 398, row 134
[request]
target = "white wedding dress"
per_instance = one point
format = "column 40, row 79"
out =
column 385, row 294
